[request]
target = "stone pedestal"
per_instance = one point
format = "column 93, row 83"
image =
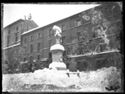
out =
column 57, row 57
column 57, row 51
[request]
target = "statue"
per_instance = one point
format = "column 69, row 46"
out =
column 57, row 51
column 57, row 34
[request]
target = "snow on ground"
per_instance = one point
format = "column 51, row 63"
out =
column 87, row 82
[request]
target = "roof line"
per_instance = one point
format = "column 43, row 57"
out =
column 54, row 22
column 30, row 30
column 13, row 22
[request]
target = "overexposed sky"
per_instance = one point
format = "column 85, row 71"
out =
column 42, row 14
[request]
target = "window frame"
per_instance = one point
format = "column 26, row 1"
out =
column 38, row 46
column 17, row 28
column 31, row 37
column 25, row 40
column 8, row 39
column 31, row 48
column 16, row 36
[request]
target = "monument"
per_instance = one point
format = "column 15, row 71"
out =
column 57, row 51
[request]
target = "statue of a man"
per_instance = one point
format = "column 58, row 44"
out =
column 57, row 34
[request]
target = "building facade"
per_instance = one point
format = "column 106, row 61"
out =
column 94, row 30
column 12, row 38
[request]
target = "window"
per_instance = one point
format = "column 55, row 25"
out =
column 31, row 38
column 16, row 36
column 72, row 24
column 38, row 47
column 24, row 50
column 78, row 34
column 50, row 43
column 38, row 57
column 17, row 28
column 8, row 39
column 51, row 33
column 25, row 40
column 39, row 35
column 8, row 32
column 31, row 48
column 24, row 59
column 62, row 27
column 46, row 52
column 65, row 26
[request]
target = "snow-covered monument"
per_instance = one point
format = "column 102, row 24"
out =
column 91, row 40
column 57, row 51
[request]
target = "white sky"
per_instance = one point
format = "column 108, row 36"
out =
column 42, row 14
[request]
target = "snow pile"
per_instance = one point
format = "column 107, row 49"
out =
column 54, row 77
column 100, row 79
column 88, row 81
column 14, row 81
column 111, row 80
